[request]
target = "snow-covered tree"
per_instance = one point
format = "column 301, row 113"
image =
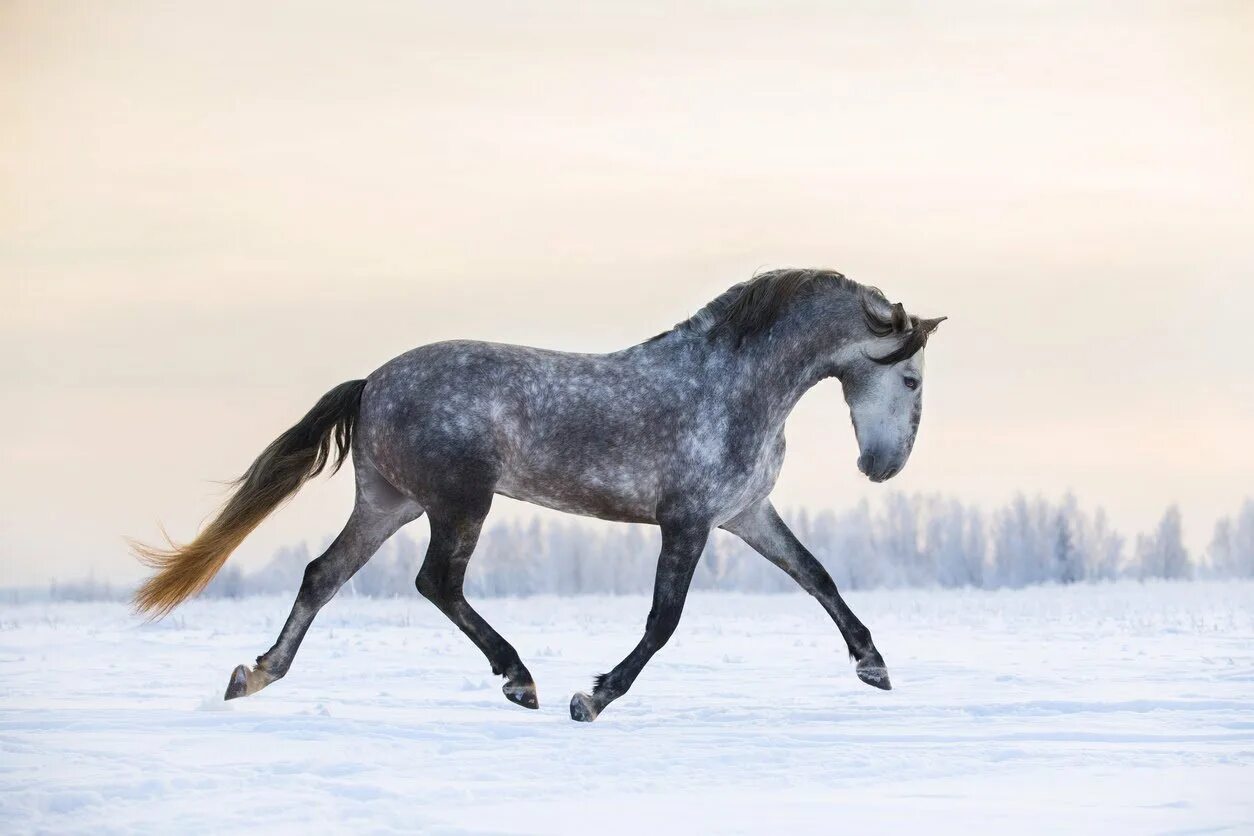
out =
column 954, row 544
column 1103, row 548
column 228, row 583
column 1162, row 554
column 1231, row 552
column 283, row 574
column 1025, row 543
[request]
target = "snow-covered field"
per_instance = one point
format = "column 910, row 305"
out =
column 1108, row 708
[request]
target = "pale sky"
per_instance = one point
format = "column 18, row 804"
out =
column 211, row 213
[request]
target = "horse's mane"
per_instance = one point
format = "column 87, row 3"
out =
column 749, row 308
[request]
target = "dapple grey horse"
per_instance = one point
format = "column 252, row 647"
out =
column 684, row 431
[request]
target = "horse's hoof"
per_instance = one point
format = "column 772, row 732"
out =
column 875, row 676
column 872, row 670
column 582, row 708
column 238, row 686
column 524, row 695
column 246, row 680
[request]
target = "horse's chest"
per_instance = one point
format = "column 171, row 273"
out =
column 766, row 468
column 744, row 479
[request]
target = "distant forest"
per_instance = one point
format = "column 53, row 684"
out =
column 918, row 540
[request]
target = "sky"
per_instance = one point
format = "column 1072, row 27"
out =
column 212, row 213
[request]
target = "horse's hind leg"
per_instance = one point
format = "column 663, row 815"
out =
column 454, row 532
column 379, row 513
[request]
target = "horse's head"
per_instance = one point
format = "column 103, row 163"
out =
column 882, row 375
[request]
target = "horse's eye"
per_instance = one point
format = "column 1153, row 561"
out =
column 911, row 382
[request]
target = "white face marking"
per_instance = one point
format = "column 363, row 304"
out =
column 884, row 408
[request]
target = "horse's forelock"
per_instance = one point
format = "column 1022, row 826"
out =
column 884, row 319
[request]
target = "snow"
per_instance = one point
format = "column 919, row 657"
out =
column 1091, row 708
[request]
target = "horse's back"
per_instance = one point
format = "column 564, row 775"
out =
column 563, row 430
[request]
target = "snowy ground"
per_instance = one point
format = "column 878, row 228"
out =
column 1121, row 708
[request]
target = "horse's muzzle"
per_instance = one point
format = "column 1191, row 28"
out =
column 877, row 468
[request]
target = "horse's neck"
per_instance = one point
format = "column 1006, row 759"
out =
column 765, row 375
column 778, row 374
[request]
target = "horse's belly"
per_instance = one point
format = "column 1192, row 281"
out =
column 620, row 499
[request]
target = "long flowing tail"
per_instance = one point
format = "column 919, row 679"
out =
column 324, row 435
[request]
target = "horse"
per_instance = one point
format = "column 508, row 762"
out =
column 684, row 431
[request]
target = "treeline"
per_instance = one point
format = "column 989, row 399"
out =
column 914, row 540
column 919, row 540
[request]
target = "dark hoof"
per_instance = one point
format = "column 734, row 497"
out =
column 582, row 708
column 238, row 686
column 872, row 670
column 524, row 695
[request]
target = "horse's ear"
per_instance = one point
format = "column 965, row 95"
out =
column 927, row 326
column 901, row 322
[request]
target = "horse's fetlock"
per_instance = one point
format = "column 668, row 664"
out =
column 860, row 644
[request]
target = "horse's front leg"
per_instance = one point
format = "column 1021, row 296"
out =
column 762, row 528
column 682, row 545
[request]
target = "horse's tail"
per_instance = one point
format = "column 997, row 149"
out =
column 324, row 435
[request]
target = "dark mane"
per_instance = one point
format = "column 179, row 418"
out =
column 760, row 301
column 749, row 308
